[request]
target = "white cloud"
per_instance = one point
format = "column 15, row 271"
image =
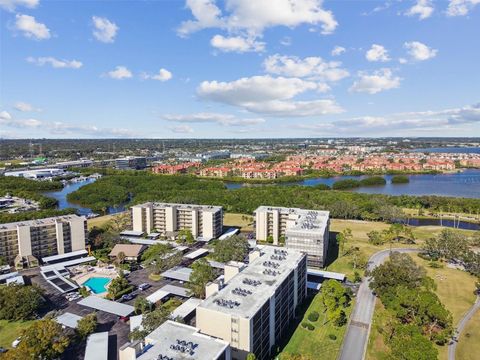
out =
column 253, row 17
column 162, row 75
column 419, row 51
column 7, row 120
column 338, row 50
column 11, row 5
column 377, row 53
column 433, row 121
column 120, row 72
column 379, row 80
column 31, row 28
column 423, row 9
column 25, row 107
column 216, row 118
column 268, row 95
column 311, row 67
column 55, row 63
column 181, row 129
column 236, row 44
column 461, row 7
column 105, row 30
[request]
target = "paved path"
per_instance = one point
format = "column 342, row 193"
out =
column 356, row 339
column 461, row 325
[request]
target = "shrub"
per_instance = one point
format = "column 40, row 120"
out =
column 123, row 292
column 345, row 184
column 308, row 326
column 373, row 181
column 435, row 265
column 400, row 179
column 332, row 337
column 313, row 316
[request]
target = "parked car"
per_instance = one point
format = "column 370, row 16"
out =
column 3, row 350
column 144, row 286
column 127, row 297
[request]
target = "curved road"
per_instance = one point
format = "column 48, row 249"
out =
column 356, row 339
column 461, row 325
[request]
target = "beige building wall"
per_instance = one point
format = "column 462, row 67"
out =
column 194, row 226
column 24, row 242
column 137, row 218
column 261, row 225
column 208, row 224
column 214, row 323
column 77, row 233
column 60, row 240
column 171, row 218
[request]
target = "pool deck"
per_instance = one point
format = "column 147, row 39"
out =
column 97, row 272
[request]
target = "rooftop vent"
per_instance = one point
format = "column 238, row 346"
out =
column 251, row 282
column 271, row 264
column 227, row 303
column 270, row 272
column 241, row 292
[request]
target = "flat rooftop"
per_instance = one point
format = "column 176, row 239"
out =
column 247, row 291
column 40, row 222
column 97, row 346
column 186, row 308
column 180, row 341
column 109, row 306
column 178, row 273
column 209, row 208
column 68, row 319
column 301, row 220
column 64, row 256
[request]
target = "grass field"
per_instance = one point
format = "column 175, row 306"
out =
column 238, row 220
column 316, row 344
column 100, row 220
column 468, row 347
column 455, row 290
column 10, row 330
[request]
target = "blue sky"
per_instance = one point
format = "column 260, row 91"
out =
column 239, row 68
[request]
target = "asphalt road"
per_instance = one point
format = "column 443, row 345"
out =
column 452, row 347
column 356, row 338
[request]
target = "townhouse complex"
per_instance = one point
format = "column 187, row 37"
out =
column 202, row 220
column 25, row 242
column 302, row 230
column 256, row 306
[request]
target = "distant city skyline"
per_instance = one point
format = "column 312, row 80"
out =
column 239, row 69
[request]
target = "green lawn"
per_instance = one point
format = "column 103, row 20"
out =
column 10, row 330
column 468, row 347
column 316, row 344
column 232, row 219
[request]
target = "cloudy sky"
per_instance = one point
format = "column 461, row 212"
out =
column 239, row 68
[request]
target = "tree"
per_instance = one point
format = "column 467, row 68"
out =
column 376, row 237
column 2, row 261
column 202, row 274
column 335, row 299
column 20, row 302
column 44, row 339
column 117, row 286
column 399, row 270
column 161, row 257
column 121, row 257
column 342, row 238
column 87, row 325
column 251, row 356
column 235, row 248
column 359, row 260
column 154, row 319
column 142, row 305
column 407, row 343
column 449, row 245
column 185, row 236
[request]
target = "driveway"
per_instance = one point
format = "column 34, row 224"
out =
column 356, row 338
column 452, row 347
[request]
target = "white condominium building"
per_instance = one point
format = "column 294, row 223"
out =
column 202, row 220
column 303, row 230
column 257, row 305
column 24, row 242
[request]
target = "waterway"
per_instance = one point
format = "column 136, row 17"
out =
column 450, row 150
column 462, row 184
column 63, row 203
column 459, row 184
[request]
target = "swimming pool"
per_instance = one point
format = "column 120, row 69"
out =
column 97, row 285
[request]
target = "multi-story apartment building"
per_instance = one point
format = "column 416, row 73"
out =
column 303, row 230
column 131, row 163
column 25, row 242
column 202, row 220
column 173, row 340
column 255, row 308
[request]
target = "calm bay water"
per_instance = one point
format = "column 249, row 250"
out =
column 457, row 150
column 462, row 184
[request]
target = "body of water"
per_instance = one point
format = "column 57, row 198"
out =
column 63, row 203
column 464, row 150
column 461, row 184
